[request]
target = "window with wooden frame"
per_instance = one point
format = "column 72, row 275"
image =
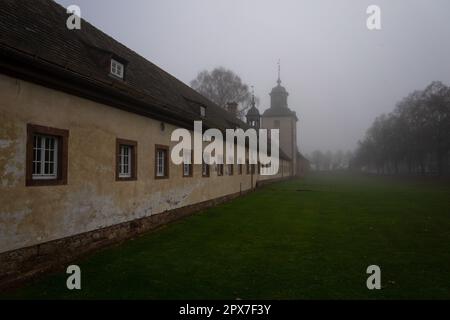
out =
column 187, row 163
column 202, row 111
column 205, row 170
column 219, row 169
column 46, row 158
column 161, row 162
column 205, row 167
column 117, row 68
column 126, row 160
column 230, row 169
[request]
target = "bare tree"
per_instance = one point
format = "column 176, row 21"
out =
column 415, row 136
column 222, row 86
column 317, row 158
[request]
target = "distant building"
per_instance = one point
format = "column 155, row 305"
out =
column 280, row 116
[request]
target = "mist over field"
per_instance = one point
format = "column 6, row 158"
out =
column 339, row 74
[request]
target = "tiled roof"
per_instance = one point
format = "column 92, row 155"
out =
column 36, row 31
column 38, row 28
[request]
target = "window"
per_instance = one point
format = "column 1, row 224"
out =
column 117, row 68
column 187, row 167
column 202, row 111
column 187, row 172
column 205, row 169
column 219, row 169
column 161, row 162
column 230, row 169
column 240, row 169
column 46, row 162
column 46, row 156
column 247, row 167
column 126, row 162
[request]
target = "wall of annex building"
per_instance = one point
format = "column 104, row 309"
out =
column 92, row 198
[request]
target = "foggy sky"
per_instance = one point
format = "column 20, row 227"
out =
column 340, row 75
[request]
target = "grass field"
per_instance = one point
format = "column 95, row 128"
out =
column 310, row 239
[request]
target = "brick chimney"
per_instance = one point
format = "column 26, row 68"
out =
column 232, row 107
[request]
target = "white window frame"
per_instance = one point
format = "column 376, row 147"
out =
column 205, row 172
column 161, row 163
column 230, row 169
column 42, row 161
column 206, row 168
column 202, row 111
column 125, row 161
column 187, row 157
column 186, row 170
column 117, row 68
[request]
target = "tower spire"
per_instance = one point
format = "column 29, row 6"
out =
column 253, row 97
column 279, row 72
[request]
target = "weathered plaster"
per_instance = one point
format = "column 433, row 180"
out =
column 92, row 199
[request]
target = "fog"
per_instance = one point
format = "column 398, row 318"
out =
column 340, row 75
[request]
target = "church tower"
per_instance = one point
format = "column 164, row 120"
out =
column 279, row 116
column 253, row 116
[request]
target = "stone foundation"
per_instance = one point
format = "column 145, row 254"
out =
column 23, row 264
column 20, row 265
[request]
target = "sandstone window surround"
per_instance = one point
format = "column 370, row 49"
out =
column 205, row 168
column 46, row 156
column 126, row 160
column 188, row 167
column 161, row 162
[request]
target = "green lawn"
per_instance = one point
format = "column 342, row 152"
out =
column 310, row 239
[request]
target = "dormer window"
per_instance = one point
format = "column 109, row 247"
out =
column 117, row 68
column 202, row 111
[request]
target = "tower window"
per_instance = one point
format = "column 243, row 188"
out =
column 117, row 68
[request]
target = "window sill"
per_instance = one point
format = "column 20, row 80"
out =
column 126, row 179
column 45, row 182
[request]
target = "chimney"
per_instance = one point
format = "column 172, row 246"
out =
column 232, row 107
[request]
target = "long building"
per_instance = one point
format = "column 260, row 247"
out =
column 85, row 127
